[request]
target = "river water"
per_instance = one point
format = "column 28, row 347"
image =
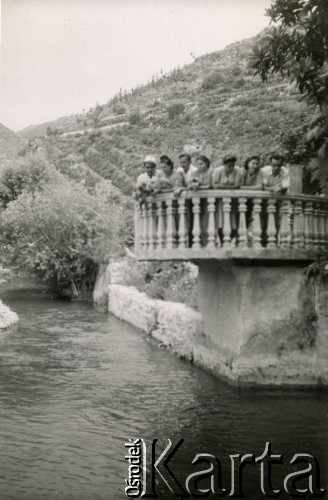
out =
column 76, row 383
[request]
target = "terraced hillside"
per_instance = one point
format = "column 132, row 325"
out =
column 214, row 104
column 10, row 145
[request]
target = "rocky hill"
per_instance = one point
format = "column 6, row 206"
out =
column 10, row 145
column 215, row 105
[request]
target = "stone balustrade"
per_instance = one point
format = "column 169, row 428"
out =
column 231, row 224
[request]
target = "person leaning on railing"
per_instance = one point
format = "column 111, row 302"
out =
column 202, row 180
column 184, row 175
column 227, row 176
column 147, row 181
column 276, row 176
column 166, row 177
column 166, row 181
column 276, row 179
column 252, row 174
column 252, row 181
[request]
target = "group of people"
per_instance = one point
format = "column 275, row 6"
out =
column 202, row 176
column 273, row 177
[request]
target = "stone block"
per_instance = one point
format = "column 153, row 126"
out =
column 178, row 327
column 130, row 305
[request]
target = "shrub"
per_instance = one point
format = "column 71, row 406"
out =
column 30, row 173
column 119, row 108
column 236, row 71
column 238, row 84
column 175, row 110
column 134, row 118
column 213, row 80
column 63, row 234
column 166, row 281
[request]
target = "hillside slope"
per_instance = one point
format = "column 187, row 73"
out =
column 214, row 104
column 10, row 145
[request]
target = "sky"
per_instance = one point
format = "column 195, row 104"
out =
column 59, row 57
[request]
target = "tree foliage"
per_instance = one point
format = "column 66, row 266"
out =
column 296, row 46
column 31, row 173
column 63, row 233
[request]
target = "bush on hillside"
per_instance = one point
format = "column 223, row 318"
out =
column 212, row 80
column 119, row 108
column 134, row 117
column 63, row 234
column 238, row 83
column 236, row 71
column 175, row 110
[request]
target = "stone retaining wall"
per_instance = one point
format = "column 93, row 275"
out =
column 172, row 324
column 286, row 361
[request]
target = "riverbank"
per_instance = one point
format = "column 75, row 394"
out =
column 181, row 329
column 8, row 318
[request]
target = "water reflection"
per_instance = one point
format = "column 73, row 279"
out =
column 76, row 383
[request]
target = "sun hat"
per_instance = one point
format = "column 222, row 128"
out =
column 150, row 159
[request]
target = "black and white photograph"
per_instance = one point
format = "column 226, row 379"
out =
column 164, row 249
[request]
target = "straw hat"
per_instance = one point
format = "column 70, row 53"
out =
column 150, row 159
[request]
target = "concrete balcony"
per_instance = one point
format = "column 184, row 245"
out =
column 265, row 320
column 236, row 224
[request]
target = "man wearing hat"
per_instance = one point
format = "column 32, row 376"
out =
column 148, row 178
column 147, row 181
column 228, row 176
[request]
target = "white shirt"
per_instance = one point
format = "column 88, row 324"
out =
column 282, row 178
column 192, row 171
column 146, row 181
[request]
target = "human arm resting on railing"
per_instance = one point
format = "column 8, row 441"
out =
column 257, row 187
column 223, row 180
column 276, row 189
column 218, row 185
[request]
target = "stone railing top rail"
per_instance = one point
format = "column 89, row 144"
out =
column 236, row 193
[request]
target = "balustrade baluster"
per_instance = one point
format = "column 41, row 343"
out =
column 141, row 228
column 170, row 232
column 182, row 223
column 175, row 213
column 321, row 226
column 257, row 230
column 325, row 210
column 160, row 225
column 316, row 236
column 211, row 241
column 145, row 226
column 308, row 225
column 196, row 224
column 271, row 227
column 242, row 230
column 298, row 224
column 285, row 224
column 226, row 222
column 136, row 227
column 151, row 226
